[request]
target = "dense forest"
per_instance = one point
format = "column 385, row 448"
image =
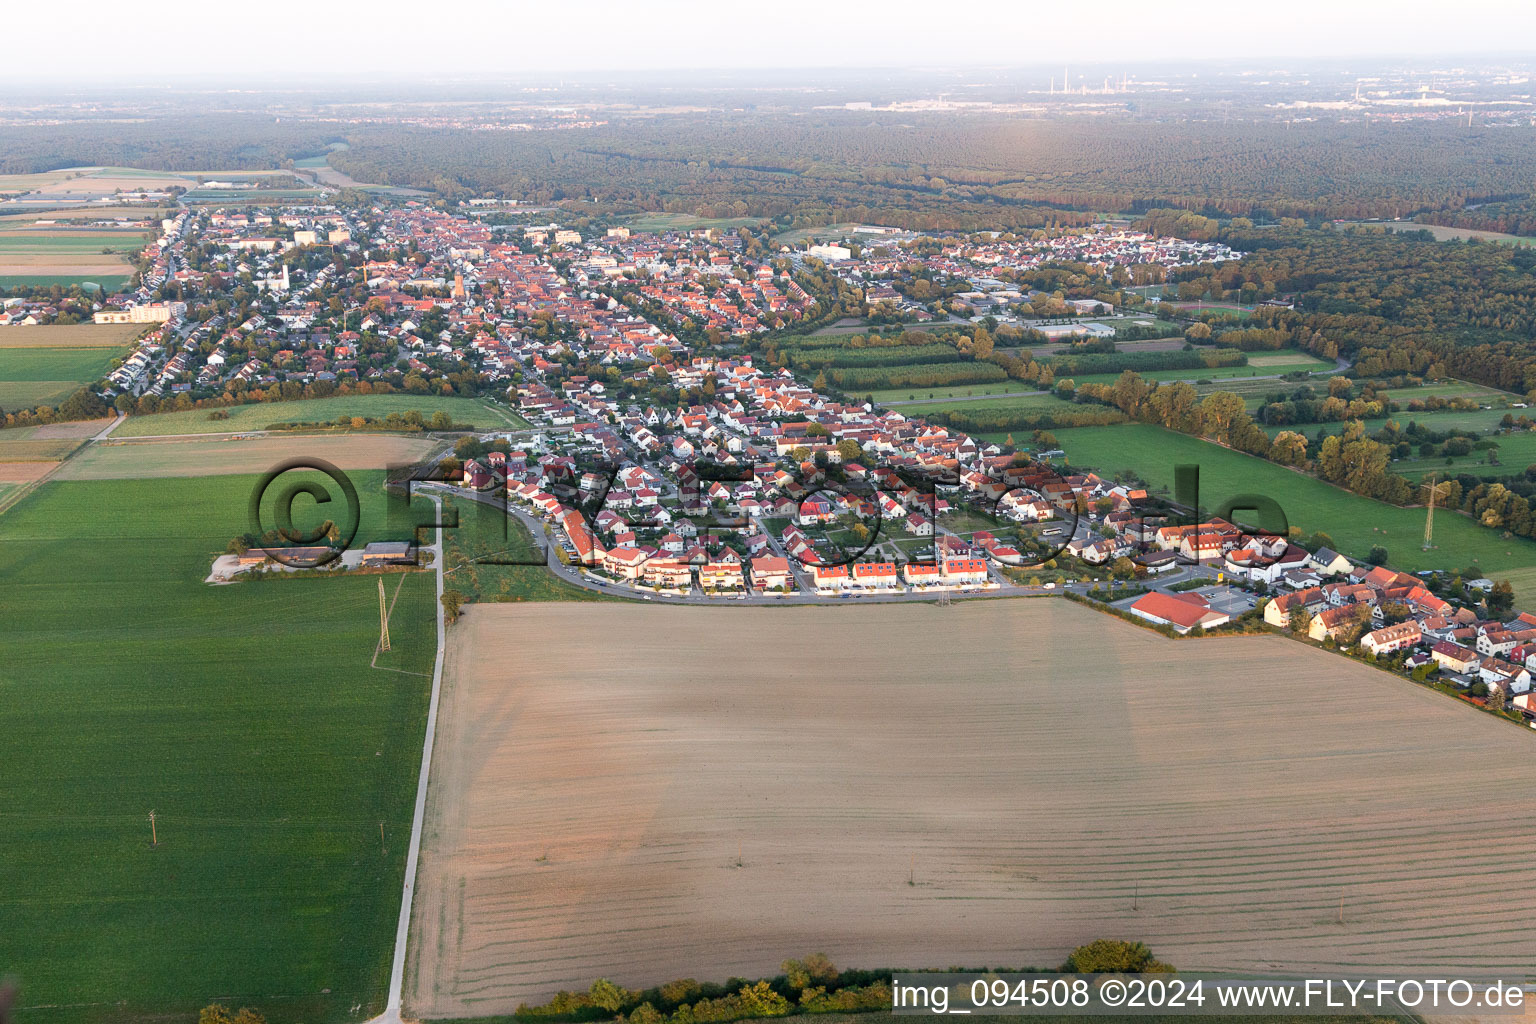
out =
column 941, row 166
column 807, row 168
column 1390, row 302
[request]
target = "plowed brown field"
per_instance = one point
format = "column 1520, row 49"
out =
column 919, row 786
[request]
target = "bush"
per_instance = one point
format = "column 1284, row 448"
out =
column 1116, row 956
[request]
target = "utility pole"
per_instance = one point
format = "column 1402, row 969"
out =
column 154, row 836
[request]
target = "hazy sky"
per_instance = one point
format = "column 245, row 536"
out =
column 245, row 41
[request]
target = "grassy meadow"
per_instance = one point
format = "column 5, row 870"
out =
column 485, row 533
column 246, row 716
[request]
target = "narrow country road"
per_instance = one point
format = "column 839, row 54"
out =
column 391, row 1014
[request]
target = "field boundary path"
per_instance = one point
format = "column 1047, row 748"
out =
column 16, row 496
column 391, row 1014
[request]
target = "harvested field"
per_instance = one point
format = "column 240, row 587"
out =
column 72, row 336
column 35, row 449
column 598, row 765
column 72, row 429
column 24, row 472
column 116, row 460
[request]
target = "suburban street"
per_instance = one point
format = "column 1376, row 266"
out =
column 576, row 577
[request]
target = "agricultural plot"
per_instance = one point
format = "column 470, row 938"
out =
column 45, row 376
column 104, row 278
column 1001, row 387
column 1453, row 389
column 321, row 411
column 990, row 405
column 114, row 336
column 660, row 222
column 1227, row 378
column 119, row 460
column 1355, row 523
column 246, row 716
column 708, row 816
column 68, row 252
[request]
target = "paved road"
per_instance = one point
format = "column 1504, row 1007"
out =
column 110, row 427
column 391, row 1014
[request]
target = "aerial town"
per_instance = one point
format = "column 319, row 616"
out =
column 672, row 464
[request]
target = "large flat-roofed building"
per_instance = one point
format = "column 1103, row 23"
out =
column 156, row 313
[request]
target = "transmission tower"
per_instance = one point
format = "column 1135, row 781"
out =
column 383, row 619
column 1429, row 518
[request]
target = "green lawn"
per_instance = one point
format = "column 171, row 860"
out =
column 474, row 411
column 1355, row 523
column 246, row 716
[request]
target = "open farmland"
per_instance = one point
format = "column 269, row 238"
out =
column 585, row 822
column 115, row 460
column 247, row 716
column 1355, row 523
column 46, row 376
column 75, row 253
column 1001, row 387
column 321, row 411
column 114, row 336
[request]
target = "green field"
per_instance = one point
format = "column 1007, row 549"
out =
column 475, row 411
column 108, row 282
column 1017, row 404
column 246, row 716
column 45, row 376
column 952, row 391
column 659, row 222
column 1453, row 389
column 71, row 240
column 1355, row 523
column 1278, row 363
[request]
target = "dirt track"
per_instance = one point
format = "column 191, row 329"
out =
column 1053, row 774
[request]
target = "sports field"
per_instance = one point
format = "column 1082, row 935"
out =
column 1356, row 524
column 246, row 716
column 481, row 414
column 117, row 460
column 644, row 793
